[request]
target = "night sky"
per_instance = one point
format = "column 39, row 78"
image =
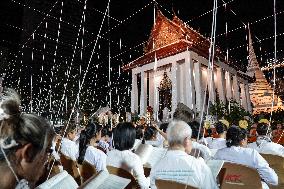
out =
column 52, row 42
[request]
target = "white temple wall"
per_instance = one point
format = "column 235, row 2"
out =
column 189, row 76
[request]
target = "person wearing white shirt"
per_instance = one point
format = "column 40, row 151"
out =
column 220, row 142
column 235, row 152
column 96, row 157
column 177, row 165
column 206, row 153
column 103, row 143
column 151, row 137
column 68, row 147
column 87, row 152
column 121, row 156
column 263, row 143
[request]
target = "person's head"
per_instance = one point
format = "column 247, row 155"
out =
column 124, row 136
column 106, row 134
column 25, row 139
column 164, row 127
column 179, row 136
column 71, row 131
column 279, row 126
column 194, row 125
column 150, row 133
column 262, row 129
column 236, row 136
column 220, row 128
column 139, row 132
column 92, row 133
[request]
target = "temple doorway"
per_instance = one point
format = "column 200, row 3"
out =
column 165, row 95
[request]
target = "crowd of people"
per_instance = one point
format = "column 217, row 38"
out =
column 28, row 141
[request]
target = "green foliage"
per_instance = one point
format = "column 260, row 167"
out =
column 231, row 111
column 277, row 116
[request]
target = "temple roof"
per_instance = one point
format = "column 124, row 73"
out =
column 169, row 37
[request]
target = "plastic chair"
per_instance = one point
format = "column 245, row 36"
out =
column 168, row 184
column 87, row 170
column 71, row 167
column 240, row 176
column 277, row 163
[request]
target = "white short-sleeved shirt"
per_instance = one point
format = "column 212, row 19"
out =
column 217, row 143
column 117, row 158
column 180, row 167
column 155, row 143
column 96, row 157
column 267, row 147
column 204, row 149
column 70, row 149
column 250, row 158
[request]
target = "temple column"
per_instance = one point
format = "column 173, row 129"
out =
column 134, row 93
column 221, row 84
column 236, row 87
column 156, row 94
column 211, row 86
column 143, row 94
column 228, row 86
column 151, row 89
column 198, row 86
column 181, row 89
column 244, row 97
column 249, row 108
column 189, row 84
column 174, row 86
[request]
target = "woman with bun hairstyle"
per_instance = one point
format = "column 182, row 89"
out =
column 236, row 152
column 87, row 147
column 25, row 144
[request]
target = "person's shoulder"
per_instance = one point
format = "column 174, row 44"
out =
column 67, row 142
column 131, row 154
column 252, row 145
column 221, row 151
column 96, row 151
column 276, row 145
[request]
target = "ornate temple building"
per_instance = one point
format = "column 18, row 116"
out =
column 260, row 91
column 173, row 69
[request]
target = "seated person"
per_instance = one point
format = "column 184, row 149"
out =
column 25, row 144
column 278, row 134
column 151, row 137
column 220, row 141
column 87, row 150
column 163, row 131
column 103, row 143
column 252, row 133
column 121, row 156
column 139, row 137
column 194, row 172
column 206, row 153
column 236, row 152
column 263, row 142
column 68, row 146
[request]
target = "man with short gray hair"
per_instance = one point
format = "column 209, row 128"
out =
column 177, row 165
